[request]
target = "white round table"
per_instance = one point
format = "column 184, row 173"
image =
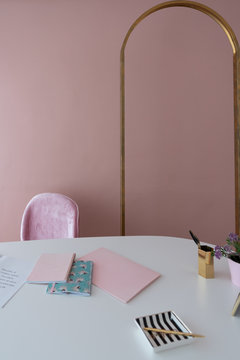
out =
column 34, row 325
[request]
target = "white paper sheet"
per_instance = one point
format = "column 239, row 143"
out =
column 13, row 274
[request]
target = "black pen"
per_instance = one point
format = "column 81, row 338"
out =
column 195, row 239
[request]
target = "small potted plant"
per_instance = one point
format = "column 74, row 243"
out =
column 232, row 252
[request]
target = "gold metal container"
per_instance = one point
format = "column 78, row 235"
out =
column 205, row 262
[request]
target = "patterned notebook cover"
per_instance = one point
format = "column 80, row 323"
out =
column 79, row 280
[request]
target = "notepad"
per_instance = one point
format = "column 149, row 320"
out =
column 118, row 275
column 51, row 268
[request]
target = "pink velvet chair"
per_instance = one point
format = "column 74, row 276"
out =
column 50, row 216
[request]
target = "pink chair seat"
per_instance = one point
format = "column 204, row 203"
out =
column 50, row 216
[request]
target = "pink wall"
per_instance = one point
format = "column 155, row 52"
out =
column 59, row 115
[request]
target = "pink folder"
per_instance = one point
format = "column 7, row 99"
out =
column 117, row 275
column 51, row 268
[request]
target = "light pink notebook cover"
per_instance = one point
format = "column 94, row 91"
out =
column 51, row 268
column 117, row 275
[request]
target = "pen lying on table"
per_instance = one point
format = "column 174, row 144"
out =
column 173, row 332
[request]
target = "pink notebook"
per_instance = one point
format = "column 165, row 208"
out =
column 51, row 268
column 117, row 275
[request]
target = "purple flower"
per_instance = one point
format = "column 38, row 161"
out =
column 217, row 252
column 232, row 247
column 227, row 248
column 233, row 237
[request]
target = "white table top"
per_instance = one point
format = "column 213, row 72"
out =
column 37, row 326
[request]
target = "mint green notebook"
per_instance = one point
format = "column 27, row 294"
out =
column 79, row 280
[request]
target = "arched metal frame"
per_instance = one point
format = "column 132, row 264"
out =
column 236, row 89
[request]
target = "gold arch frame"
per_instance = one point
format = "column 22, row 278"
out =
column 236, row 89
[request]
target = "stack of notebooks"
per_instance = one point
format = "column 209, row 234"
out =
column 113, row 273
column 63, row 274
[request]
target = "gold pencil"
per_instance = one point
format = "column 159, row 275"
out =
column 173, row 332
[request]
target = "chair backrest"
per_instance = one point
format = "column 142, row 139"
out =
column 50, row 216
